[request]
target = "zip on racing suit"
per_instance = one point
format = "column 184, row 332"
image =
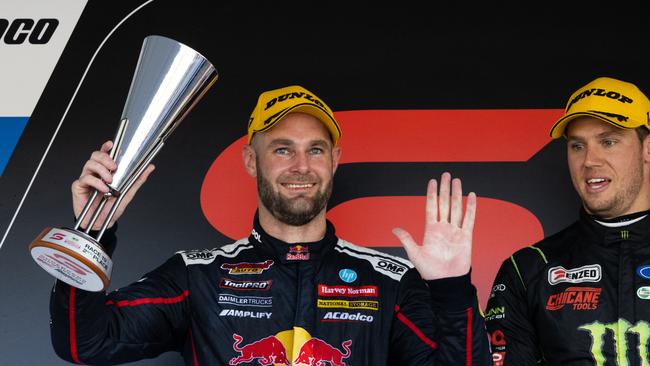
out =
column 260, row 301
column 579, row 297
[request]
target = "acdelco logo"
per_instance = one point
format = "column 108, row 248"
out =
column 336, row 316
column 19, row 30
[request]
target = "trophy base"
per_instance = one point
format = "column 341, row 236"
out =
column 73, row 257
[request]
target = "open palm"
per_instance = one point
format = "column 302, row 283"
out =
column 446, row 249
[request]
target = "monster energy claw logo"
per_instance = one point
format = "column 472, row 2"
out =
column 617, row 333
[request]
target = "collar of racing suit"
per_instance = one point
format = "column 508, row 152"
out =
column 633, row 227
column 292, row 252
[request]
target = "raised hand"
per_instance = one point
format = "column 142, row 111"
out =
column 95, row 175
column 446, row 249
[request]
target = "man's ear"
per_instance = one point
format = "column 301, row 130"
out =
column 336, row 156
column 646, row 149
column 250, row 163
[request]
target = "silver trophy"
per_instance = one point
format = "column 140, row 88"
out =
column 169, row 79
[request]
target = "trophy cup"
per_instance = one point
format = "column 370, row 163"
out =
column 169, row 79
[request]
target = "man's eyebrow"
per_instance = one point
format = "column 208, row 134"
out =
column 617, row 132
column 281, row 141
column 320, row 142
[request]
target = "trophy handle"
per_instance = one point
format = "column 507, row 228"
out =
column 117, row 143
column 128, row 186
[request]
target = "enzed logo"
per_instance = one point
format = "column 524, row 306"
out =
column 588, row 273
column 615, row 336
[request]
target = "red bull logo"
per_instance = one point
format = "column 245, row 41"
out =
column 298, row 252
column 316, row 352
column 267, row 351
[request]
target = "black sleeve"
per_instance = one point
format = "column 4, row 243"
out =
column 512, row 334
column 438, row 323
column 139, row 321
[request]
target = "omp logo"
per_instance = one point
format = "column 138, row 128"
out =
column 588, row 273
column 21, row 30
column 391, row 267
column 199, row 255
column 622, row 337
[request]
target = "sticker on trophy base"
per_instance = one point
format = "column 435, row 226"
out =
column 73, row 258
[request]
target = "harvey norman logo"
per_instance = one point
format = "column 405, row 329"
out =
column 588, row 273
column 347, row 291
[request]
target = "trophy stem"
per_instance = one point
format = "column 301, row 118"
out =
column 128, row 186
column 84, row 212
column 96, row 213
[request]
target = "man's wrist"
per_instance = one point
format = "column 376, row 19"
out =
column 453, row 292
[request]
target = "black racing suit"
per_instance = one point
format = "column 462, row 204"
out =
column 579, row 297
column 260, row 301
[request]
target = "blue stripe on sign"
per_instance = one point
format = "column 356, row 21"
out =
column 10, row 130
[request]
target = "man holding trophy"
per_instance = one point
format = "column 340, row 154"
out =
column 292, row 293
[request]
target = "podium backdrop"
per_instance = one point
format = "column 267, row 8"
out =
column 417, row 91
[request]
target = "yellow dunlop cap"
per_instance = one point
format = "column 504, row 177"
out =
column 273, row 105
column 614, row 101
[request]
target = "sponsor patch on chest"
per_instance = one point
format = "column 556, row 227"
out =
column 588, row 273
column 245, row 285
column 246, row 267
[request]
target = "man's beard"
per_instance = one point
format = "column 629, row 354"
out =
column 296, row 211
column 622, row 201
